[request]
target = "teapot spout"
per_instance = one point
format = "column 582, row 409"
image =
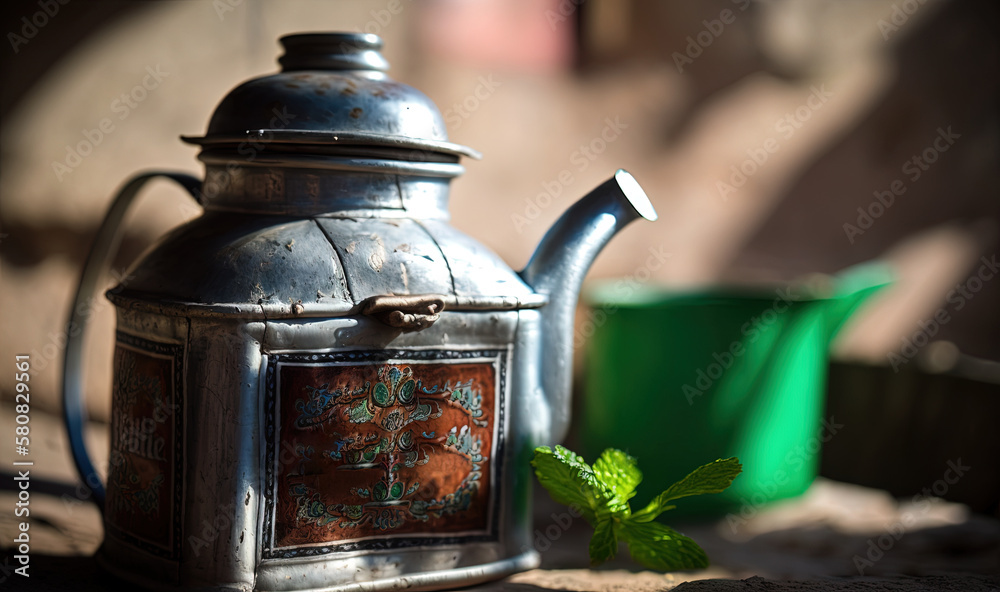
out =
column 557, row 268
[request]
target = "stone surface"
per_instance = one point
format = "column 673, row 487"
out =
column 937, row 583
column 834, row 537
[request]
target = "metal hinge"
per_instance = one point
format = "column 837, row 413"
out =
column 409, row 313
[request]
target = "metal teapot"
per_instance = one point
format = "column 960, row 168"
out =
column 318, row 383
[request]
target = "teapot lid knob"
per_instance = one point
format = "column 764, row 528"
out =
column 332, row 51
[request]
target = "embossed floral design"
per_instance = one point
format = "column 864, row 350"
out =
column 384, row 443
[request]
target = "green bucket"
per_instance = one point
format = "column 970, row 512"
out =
column 681, row 379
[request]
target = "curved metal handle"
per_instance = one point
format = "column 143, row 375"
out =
column 105, row 245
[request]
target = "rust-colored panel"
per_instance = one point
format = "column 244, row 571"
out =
column 390, row 449
column 142, row 495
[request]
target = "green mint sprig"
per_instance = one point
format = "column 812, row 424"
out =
column 601, row 494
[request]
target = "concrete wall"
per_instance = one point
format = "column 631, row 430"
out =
column 831, row 99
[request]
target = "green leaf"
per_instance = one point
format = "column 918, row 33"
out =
column 604, row 543
column 711, row 478
column 659, row 547
column 620, row 475
column 570, row 481
column 601, row 494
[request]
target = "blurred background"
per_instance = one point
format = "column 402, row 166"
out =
column 764, row 133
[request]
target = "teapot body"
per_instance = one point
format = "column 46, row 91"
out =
column 319, row 384
column 263, row 440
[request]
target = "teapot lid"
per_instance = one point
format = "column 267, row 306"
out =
column 332, row 97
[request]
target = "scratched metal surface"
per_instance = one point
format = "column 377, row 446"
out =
column 320, row 250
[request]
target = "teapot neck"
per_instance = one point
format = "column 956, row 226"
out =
column 304, row 192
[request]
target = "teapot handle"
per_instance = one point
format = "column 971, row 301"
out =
column 106, row 243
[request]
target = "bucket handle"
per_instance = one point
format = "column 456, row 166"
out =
column 105, row 245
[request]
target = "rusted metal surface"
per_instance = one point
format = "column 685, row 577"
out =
column 410, row 313
column 333, row 387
